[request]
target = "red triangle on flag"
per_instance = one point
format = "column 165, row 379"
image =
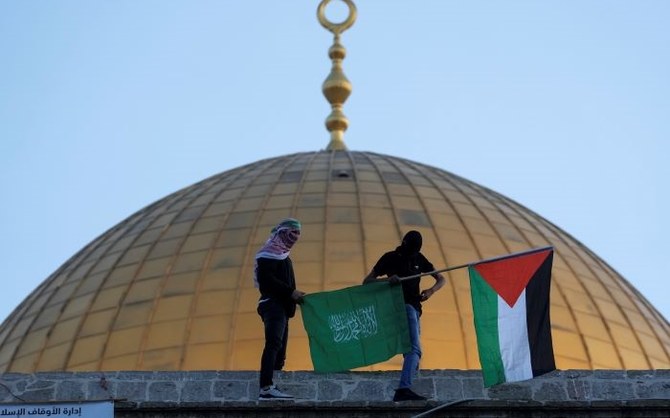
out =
column 509, row 276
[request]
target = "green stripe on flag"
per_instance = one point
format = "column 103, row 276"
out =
column 485, row 308
column 356, row 326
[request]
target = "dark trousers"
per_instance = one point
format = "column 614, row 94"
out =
column 275, row 321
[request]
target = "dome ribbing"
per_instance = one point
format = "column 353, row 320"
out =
column 170, row 287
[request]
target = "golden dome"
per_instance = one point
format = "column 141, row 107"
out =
column 170, row 288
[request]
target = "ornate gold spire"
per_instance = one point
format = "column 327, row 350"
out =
column 336, row 87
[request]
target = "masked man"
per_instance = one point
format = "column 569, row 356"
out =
column 275, row 280
column 407, row 260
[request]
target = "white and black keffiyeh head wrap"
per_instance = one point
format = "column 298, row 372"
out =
column 278, row 246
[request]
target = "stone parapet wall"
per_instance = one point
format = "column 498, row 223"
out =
column 238, row 390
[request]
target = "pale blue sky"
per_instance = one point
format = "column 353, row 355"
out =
column 107, row 106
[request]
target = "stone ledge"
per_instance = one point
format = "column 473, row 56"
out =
column 359, row 388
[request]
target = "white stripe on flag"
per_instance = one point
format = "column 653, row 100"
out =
column 513, row 338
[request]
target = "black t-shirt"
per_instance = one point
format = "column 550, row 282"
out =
column 403, row 265
column 276, row 281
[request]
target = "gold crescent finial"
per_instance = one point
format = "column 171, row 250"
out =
column 336, row 87
column 336, row 28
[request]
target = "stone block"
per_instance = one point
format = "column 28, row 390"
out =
column 613, row 390
column 163, row 391
column 329, row 391
column 609, row 374
column 424, row 386
column 662, row 374
column 135, row 375
column 231, row 390
column 201, row 375
column 430, row 373
column 40, row 384
column 6, row 394
column 448, row 389
column 575, row 374
column 302, row 391
column 551, row 391
column 5, row 378
column 20, row 387
column 641, row 374
column 132, row 391
column 389, row 390
column 52, row 375
column 39, row 395
column 70, row 390
column 515, row 391
column 579, row 389
column 100, row 389
column 473, row 388
column 196, row 391
column 240, row 375
column 92, row 375
column 653, row 390
column 171, row 376
column 301, row 376
column 366, row 390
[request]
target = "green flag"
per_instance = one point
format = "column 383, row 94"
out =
column 356, row 326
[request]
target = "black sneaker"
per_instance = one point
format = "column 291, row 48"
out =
column 273, row 393
column 406, row 394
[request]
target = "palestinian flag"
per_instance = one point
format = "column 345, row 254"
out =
column 510, row 300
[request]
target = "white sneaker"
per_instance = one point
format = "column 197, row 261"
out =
column 273, row 393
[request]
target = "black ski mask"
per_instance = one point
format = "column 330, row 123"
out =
column 411, row 242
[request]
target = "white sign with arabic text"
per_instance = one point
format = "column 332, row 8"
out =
column 103, row 409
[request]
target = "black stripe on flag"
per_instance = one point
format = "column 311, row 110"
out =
column 537, row 319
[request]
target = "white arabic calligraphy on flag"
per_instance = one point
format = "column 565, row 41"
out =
column 353, row 325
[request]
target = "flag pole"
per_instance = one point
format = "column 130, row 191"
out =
column 488, row 260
